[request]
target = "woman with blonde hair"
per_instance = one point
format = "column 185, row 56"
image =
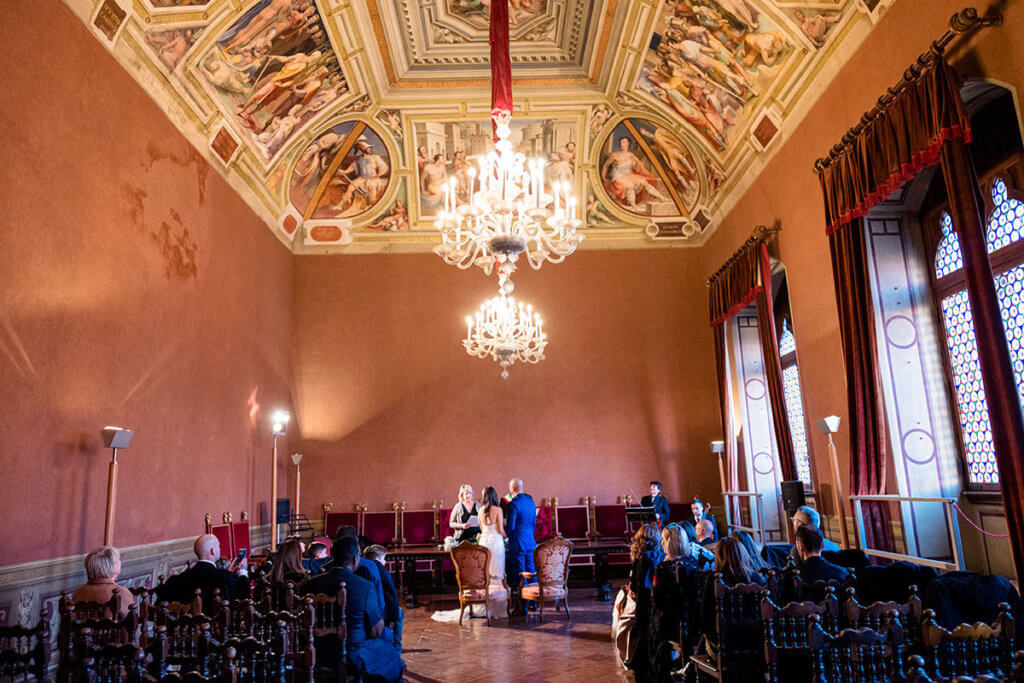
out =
column 102, row 567
column 734, row 566
column 464, row 519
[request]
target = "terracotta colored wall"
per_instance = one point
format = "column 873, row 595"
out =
column 392, row 408
column 788, row 190
column 135, row 288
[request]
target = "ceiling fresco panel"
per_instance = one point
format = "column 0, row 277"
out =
column 337, row 120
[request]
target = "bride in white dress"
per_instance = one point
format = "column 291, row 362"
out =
column 492, row 537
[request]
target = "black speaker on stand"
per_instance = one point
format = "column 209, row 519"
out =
column 793, row 496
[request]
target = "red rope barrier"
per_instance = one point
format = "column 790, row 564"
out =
column 971, row 522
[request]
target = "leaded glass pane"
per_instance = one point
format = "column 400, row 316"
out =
column 797, row 423
column 1010, row 289
column 970, row 393
column 1006, row 225
column 948, row 258
column 787, row 344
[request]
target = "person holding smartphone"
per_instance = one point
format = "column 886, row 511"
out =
column 231, row 583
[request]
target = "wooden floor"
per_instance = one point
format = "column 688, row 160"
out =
column 559, row 650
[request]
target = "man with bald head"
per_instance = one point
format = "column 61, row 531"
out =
column 230, row 584
column 520, row 521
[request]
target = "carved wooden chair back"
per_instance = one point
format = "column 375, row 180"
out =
column 242, row 616
column 815, row 591
column 856, row 655
column 25, row 651
column 184, row 640
column 107, row 663
column 329, row 622
column 740, row 627
column 969, row 649
column 104, row 626
column 259, row 661
column 787, row 635
column 472, row 563
column 878, row 615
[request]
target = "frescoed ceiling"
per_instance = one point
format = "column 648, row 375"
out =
column 340, row 120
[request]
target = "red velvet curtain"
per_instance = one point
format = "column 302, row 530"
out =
column 501, row 62
column 923, row 124
column 746, row 280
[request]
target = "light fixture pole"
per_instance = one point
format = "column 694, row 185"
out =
column 279, row 425
column 829, row 426
column 297, row 458
column 718, row 448
column 114, row 438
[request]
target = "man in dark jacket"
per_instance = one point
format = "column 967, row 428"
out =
column 813, row 567
column 369, row 643
column 393, row 615
column 230, row 584
column 658, row 502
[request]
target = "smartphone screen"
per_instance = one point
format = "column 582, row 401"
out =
column 241, row 554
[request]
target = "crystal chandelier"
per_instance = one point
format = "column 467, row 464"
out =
column 508, row 210
column 507, row 332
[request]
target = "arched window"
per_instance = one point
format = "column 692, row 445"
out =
column 1004, row 234
column 794, row 403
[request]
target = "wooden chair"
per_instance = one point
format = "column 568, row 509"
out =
column 109, row 663
column 610, row 522
column 292, row 631
column 916, row 672
column 259, row 661
column 330, row 629
column 551, row 560
column 969, row 649
column 25, row 652
column 181, row 640
column 815, row 591
column 472, row 574
column 334, row 520
column 572, row 522
column 740, row 634
column 274, row 597
column 856, row 655
column 105, row 628
column 879, row 615
column 786, row 632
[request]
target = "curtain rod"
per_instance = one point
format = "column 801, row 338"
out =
column 964, row 21
column 760, row 234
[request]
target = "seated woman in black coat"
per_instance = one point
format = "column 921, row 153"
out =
column 645, row 551
column 673, row 604
column 733, row 562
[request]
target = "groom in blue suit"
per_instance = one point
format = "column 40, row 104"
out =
column 520, row 521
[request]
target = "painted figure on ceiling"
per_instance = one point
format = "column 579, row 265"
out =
column 366, row 177
column 433, row 176
column 815, row 27
column 626, row 177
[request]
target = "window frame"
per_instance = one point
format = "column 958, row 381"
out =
column 1011, row 172
column 790, row 360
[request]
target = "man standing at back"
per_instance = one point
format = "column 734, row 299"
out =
column 519, row 527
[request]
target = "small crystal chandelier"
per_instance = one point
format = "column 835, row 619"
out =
column 507, row 332
column 509, row 211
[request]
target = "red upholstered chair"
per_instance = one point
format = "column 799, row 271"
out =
column 224, row 535
column 381, row 527
column 545, row 527
column 419, row 527
column 573, row 523
column 610, row 521
column 240, row 537
column 334, row 520
column 551, row 560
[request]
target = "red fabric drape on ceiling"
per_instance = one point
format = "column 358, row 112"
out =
column 746, row 280
column 501, row 61
column 924, row 124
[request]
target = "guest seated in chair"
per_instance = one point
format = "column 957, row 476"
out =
column 370, row 647
column 366, row 568
column 806, row 515
column 231, row 583
column 813, row 567
column 658, row 502
column 673, row 593
column 394, row 618
column 102, row 567
column 701, row 511
column 317, row 557
column 707, row 536
column 753, row 549
column 645, row 552
column 288, row 567
column 734, row 564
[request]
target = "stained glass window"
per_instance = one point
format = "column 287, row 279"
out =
column 794, row 404
column 1005, row 227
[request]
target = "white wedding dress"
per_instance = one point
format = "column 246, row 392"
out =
column 495, row 542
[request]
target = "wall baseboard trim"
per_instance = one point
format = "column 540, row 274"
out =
column 31, row 588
